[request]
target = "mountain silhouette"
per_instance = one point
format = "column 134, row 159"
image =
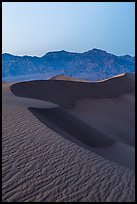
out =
column 94, row 64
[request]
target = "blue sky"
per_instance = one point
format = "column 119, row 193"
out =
column 35, row 28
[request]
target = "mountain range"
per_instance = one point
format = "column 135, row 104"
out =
column 94, row 64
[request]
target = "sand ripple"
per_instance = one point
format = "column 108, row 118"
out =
column 39, row 165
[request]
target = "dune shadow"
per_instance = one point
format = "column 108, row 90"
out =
column 74, row 130
column 70, row 127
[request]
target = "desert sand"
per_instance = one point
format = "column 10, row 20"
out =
column 69, row 140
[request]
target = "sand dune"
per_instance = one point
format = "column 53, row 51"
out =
column 66, row 93
column 67, row 78
column 97, row 141
column 68, row 140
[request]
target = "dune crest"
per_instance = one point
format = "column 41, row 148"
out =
column 66, row 93
column 67, row 78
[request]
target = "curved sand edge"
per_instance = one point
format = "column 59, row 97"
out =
column 65, row 123
column 67, row 78
column 66, row 93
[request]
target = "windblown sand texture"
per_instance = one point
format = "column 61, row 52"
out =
column 68, row 140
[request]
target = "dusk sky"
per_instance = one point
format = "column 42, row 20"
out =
column 35, row 28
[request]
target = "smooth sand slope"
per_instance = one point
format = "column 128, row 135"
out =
column 77, row 144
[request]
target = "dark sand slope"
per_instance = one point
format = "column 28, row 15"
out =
column 70, row 126
column 102, row 114
column 61, row 154
column 66, row 93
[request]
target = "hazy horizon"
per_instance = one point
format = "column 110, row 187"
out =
column 35, row 28
column 63, row 50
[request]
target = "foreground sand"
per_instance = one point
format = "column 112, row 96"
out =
column 81, row 151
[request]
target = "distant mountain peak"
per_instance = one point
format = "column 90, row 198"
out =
column 56, row 52
column 97, row 50
column 127, row 56
column 7, row 54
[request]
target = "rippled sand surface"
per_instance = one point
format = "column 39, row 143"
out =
column 44, row 160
